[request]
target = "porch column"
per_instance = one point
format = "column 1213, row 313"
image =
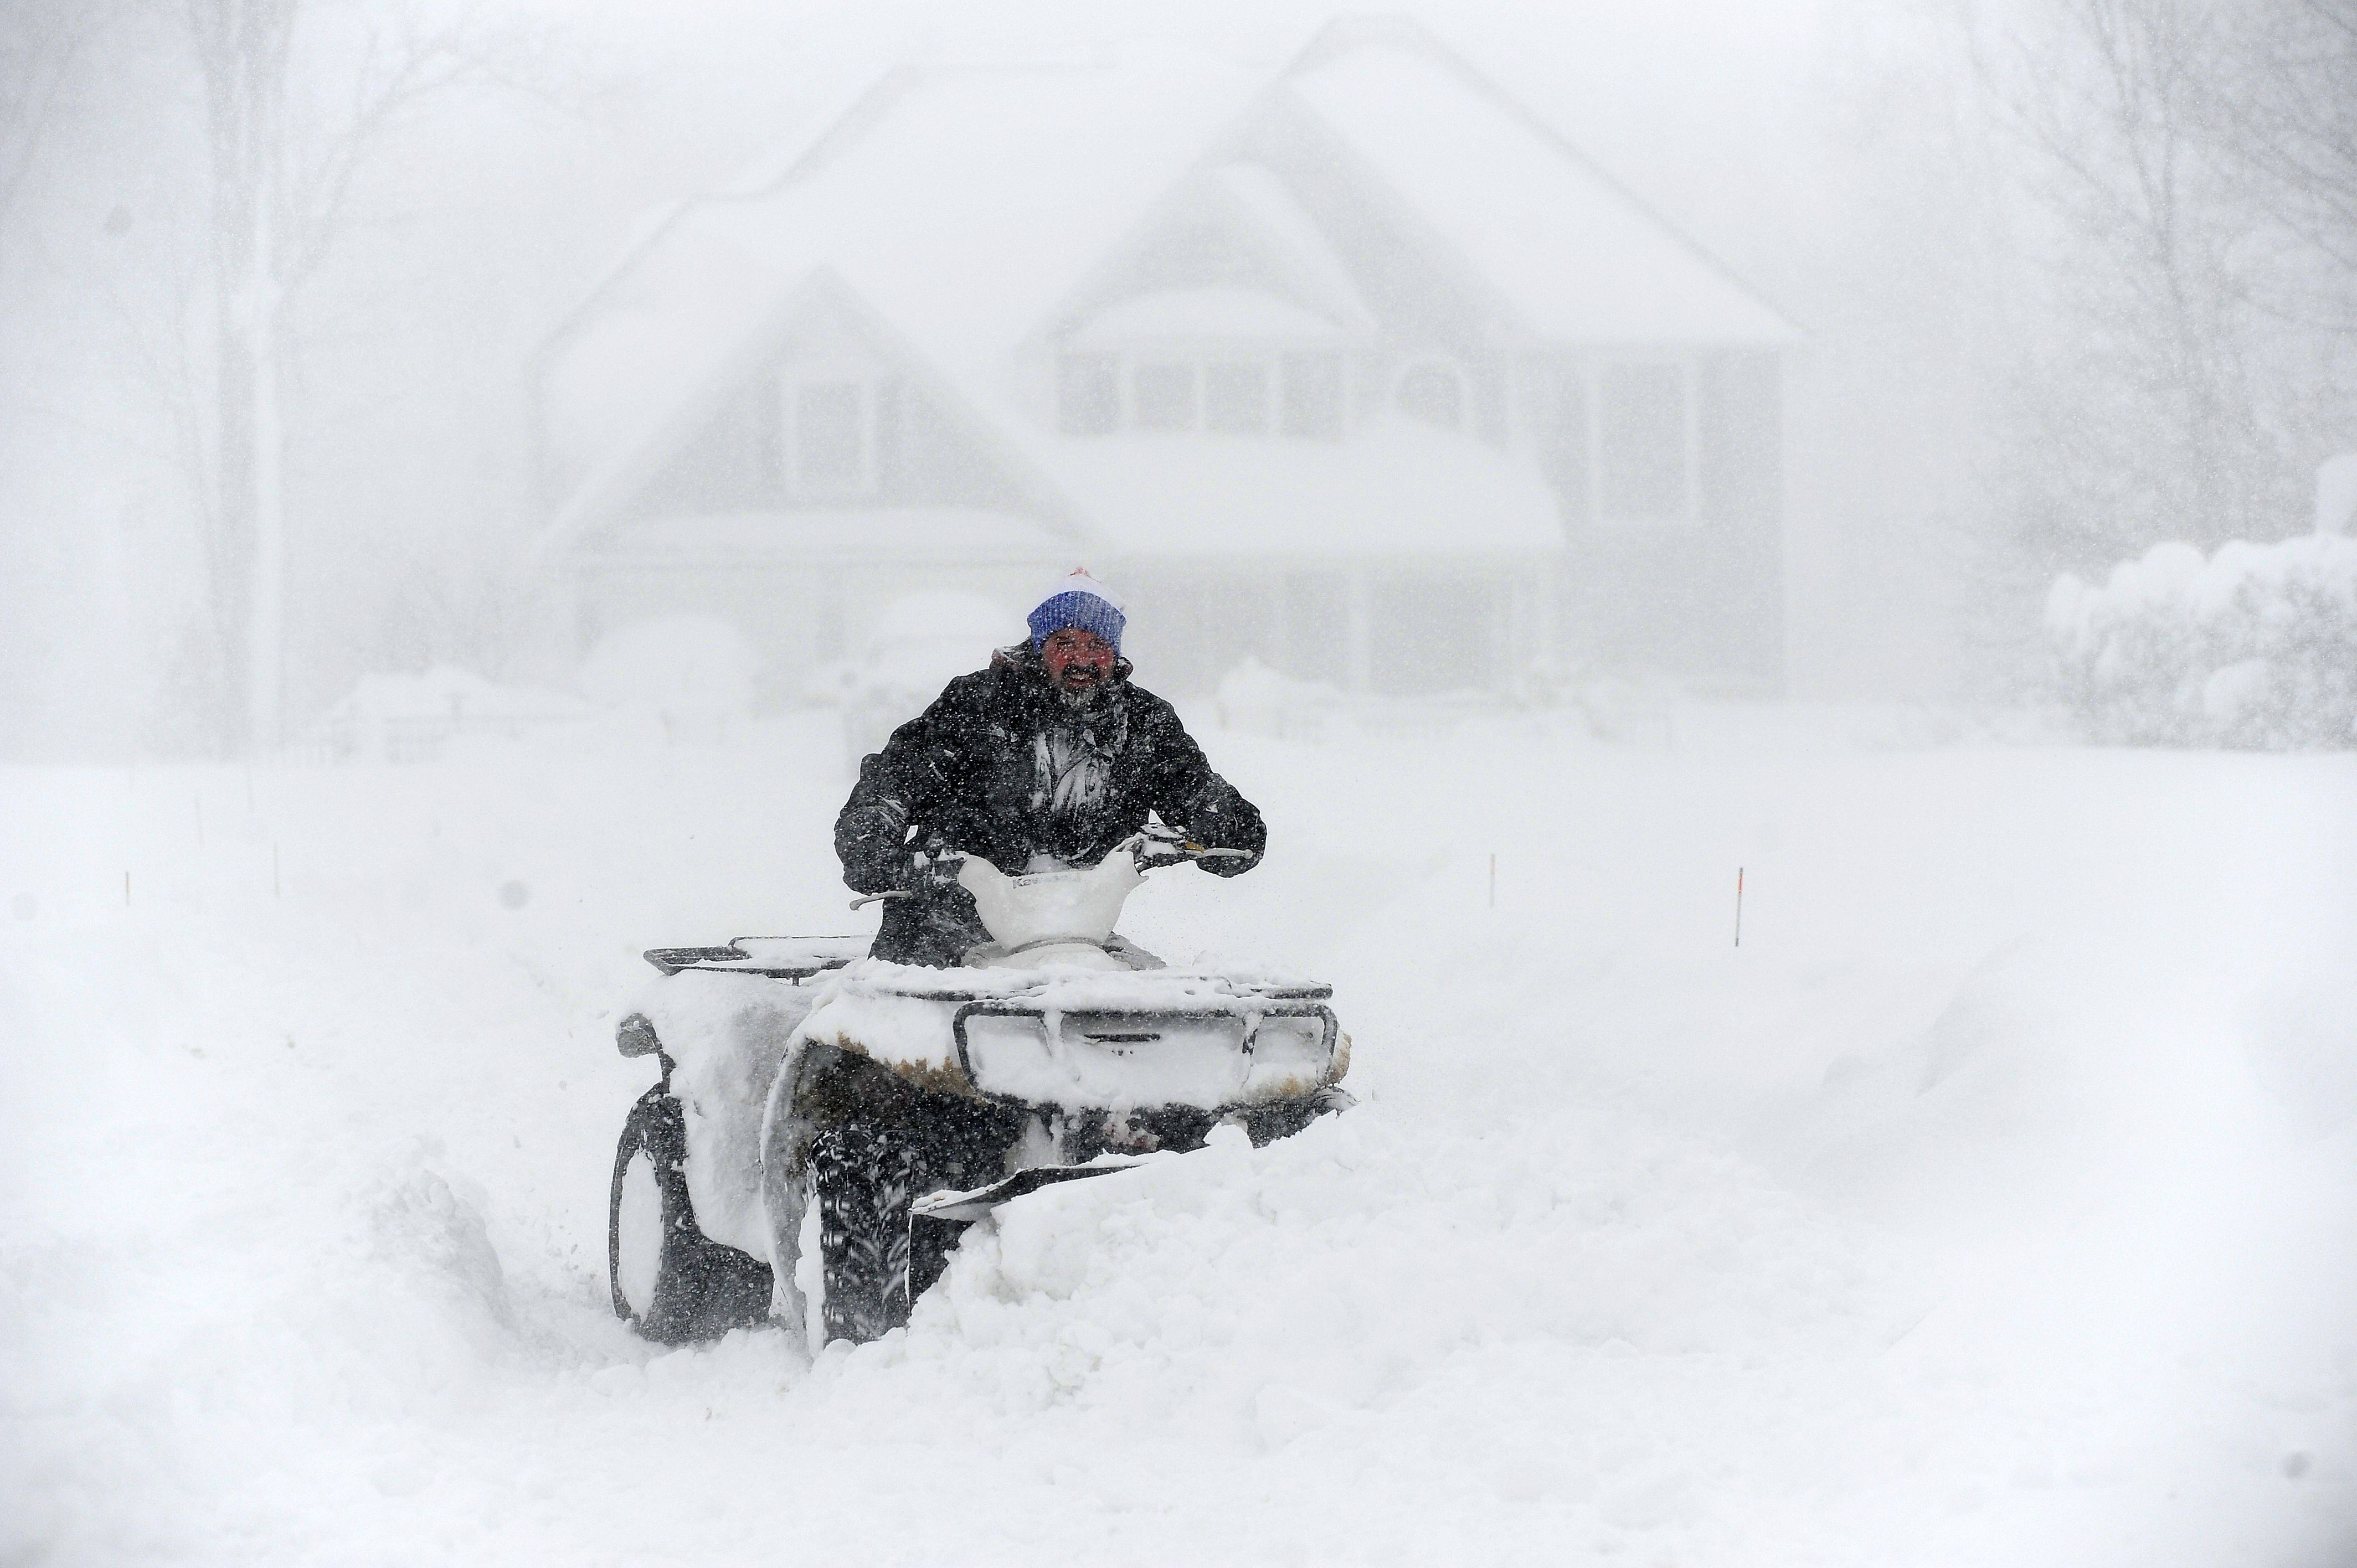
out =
column 1359, row 622
column 1546, row 589
column 1277, row 601
column 1530, row 592
column 554, row 654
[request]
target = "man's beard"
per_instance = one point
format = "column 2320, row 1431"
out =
column 1083, row 695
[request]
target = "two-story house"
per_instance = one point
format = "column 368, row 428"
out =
column 1360, row 370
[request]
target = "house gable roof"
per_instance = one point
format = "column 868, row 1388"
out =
column 1254, row 206
column 1571, row 254
column 702, row 372
column 961, row 241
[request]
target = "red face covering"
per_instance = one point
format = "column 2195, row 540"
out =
column 1077, row 661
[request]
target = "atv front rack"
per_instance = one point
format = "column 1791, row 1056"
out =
column 776, row 958
column 1122, row 1031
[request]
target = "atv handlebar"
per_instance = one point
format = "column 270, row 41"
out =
column 1151, row 848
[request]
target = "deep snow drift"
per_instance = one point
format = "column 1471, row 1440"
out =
column 1996, row 1201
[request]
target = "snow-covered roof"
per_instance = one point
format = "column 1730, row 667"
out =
column 1574, row 255
column 835, row 533
column 1395, row 488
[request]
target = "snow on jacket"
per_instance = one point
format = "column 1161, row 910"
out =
column 1001, row 765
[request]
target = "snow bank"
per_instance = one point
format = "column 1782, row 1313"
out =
column 1952, row 1220
column 411, row 717
column 2255, row 647
column 1257, row 700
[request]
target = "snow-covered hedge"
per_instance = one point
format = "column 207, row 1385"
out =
column 2254, row 646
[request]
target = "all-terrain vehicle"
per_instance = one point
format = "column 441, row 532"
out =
column 826, row 1123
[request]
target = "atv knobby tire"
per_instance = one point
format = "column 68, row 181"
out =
column 864, row 1177
column 672, row 1283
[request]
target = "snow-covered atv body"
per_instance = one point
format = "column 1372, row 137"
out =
column 839, row 1118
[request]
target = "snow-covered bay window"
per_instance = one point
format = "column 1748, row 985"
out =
column 1223, row 361
column 1298, row 395
column 1434, row 392
column 1162, row 395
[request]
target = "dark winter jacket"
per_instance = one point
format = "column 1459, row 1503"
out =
column 1001, row 765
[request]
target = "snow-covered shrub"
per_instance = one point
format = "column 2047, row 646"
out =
column 695, row 672
column 2253, row 647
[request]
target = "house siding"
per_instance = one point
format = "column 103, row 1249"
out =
column 737, row 461
column 1703, row 600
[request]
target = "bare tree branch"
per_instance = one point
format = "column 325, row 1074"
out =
column 2157, row 405
column 40, row 47
column 287, row 148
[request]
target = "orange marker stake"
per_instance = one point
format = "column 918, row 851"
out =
column 1739, row 906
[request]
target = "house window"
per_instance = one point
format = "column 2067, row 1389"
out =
column 1434, row 392
column 1162, row 396
column 1643, row 443
column 1313, row 396
column 1297, row 394
column 830, row 435
column 1235, row 398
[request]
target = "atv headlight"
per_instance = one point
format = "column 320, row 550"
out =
column 635, row 1036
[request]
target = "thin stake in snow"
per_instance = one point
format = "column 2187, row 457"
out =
column 201, row 821
column 126, row 890
column 1739, row 906
column 1493, row 879
column 274, row 871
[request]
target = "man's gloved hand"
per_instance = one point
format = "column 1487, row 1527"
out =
column 1156, row 849
column 932, row 869
column 1166, row 846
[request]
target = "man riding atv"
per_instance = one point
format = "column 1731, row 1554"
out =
column 826, row 1124
column 1047, row 758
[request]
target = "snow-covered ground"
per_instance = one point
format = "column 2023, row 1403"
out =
column 1995, row 1202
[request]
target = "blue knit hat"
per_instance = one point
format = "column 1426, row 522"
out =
column 1080, row 600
